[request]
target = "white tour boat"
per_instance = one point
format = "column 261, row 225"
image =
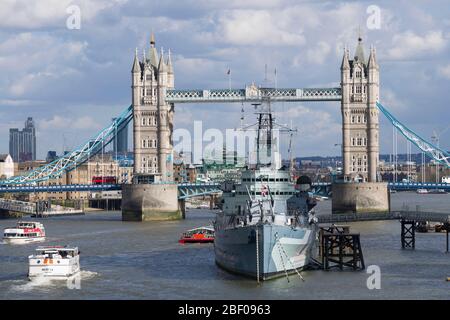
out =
column 55, row 262
column 24, row 232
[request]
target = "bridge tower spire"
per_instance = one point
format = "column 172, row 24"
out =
column 360, row 91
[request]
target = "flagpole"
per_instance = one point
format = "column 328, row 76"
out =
column 275, row 78
column 229, row 79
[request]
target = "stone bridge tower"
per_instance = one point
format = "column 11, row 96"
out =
column 152, row 116
column 360, row 83
column 152, row 195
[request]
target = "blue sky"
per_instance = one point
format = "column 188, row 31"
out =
column 72, row 82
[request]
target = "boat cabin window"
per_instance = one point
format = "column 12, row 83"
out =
column 65, row 254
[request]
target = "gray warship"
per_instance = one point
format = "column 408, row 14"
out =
column 266, row 227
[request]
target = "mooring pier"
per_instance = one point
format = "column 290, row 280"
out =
column 15, row 208
column 408, row 220
column 339, row 248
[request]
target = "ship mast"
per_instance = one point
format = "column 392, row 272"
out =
column 266, row 144
column 264, row 134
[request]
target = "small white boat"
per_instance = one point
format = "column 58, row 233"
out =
column 55, row 262
column 24, row 232
column 422, row 191
column 438, row 191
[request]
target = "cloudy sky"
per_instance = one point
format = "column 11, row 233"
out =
column 73, row 81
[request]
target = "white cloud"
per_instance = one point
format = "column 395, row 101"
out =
column 28, row 14
column 32, row 61
column 444, row 71
column 61, row 122
column 318, row 54
column 391, row 101
column 311, row 123
column 85, row 122
column 239, row 4
column 254, row 27
column 56, row 122
column 410, row 45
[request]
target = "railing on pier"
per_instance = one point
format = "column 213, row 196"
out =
column 419, row 216
column 17, row 206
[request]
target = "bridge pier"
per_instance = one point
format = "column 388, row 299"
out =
column 212, row 201
column 150, row 202
column 360, row 197
column 182, row 207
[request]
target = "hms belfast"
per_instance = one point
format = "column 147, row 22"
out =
column 266, row 227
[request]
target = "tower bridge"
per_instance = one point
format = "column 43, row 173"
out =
column 153, row 195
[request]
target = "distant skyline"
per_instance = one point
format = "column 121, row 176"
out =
column 72, row 82
column 22, row 142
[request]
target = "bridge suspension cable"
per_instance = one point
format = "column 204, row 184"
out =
column 428, row 148
column 75, row 158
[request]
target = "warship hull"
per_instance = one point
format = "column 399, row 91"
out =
column 266, row 250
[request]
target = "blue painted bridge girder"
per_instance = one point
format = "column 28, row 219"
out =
column 189, row 190
column 411, row 186
column 185, row 190
column 59, row 188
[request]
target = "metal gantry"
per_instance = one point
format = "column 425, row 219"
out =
column 75, row 158
column 190, row 190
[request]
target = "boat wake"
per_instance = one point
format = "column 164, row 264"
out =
column 87, row 275
column 38, row 283
column 48, row 283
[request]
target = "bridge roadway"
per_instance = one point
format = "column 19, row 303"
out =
column 187, row 190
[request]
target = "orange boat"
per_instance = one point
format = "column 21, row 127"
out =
column 199, row 235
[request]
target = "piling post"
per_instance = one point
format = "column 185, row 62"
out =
column 257, row 255
column 446, row 233
column 408, row 234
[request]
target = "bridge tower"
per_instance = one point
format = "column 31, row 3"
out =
column 360, row 82
column 152, row 116
column 152, row 195
column 360, row 86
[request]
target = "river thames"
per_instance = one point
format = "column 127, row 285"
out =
column 130, row 260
